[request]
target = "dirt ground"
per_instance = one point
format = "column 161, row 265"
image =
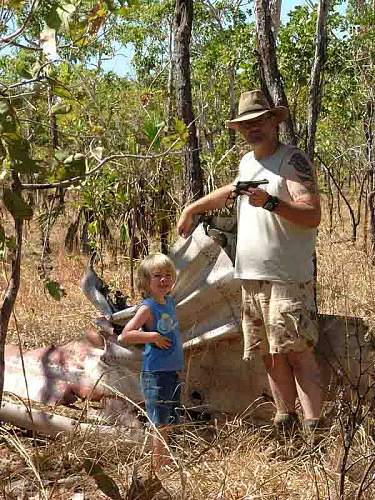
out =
column 234, row 460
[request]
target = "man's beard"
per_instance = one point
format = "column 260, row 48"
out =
column 255, row 137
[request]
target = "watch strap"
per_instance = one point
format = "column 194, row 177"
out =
column 271, row 203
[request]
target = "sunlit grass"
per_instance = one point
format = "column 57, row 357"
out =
column 234, row 460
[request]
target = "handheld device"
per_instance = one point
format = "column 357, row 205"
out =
column 244, row 185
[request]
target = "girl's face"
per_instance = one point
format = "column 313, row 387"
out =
column 161, row 283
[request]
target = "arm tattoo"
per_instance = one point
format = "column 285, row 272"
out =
column 304, row 172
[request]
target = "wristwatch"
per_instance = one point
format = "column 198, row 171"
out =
column 271, row 203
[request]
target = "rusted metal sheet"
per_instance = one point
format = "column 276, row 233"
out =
column 217, row 380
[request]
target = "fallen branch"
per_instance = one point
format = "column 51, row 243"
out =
column 52, row 424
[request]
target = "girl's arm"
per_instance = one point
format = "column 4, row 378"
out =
column 131, row 333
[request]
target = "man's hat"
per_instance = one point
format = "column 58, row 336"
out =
column 254, row 104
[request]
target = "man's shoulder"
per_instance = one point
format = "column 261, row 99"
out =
column 294, row 159
column 247, row 156
column 290, row 151
column 246, row 159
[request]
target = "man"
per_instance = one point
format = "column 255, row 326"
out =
column 274, row 259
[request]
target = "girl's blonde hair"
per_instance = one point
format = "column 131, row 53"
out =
column 151, row 263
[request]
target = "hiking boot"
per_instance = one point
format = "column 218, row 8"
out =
column 286, row 423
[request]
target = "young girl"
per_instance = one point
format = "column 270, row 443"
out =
column 163, row 356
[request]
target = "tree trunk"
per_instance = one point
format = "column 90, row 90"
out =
column 170, row 82
column 275, row 16
column 270, row 76
column 52, row 123
column 370, row 150
column 12, row 288
column 233, row 103
column 316, row 83
column 183, row 19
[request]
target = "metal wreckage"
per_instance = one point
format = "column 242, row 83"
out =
column 217, row 382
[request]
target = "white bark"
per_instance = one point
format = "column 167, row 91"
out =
column 51, row 425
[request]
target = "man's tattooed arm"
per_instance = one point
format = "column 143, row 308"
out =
column 303, row 180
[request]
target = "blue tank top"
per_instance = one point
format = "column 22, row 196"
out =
column 165, row 322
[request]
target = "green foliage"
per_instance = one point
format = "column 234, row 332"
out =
column 61, row 109
column 14, row 150
column 8, row 244
column 54, row 289
column 97, row 114
column 177, row 138
column 16, row 205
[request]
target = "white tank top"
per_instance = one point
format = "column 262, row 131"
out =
column 268, row 246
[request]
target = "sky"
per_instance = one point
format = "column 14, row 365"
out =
column 120, row 64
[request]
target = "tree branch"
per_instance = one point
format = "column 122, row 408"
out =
column 74, row 180
column 6, row 40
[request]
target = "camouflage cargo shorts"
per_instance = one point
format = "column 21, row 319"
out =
column 278, row 317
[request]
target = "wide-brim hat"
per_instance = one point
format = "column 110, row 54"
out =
column 254, row 104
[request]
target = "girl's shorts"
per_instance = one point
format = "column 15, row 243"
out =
column 162, row 393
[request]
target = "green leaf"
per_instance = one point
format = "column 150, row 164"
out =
column 53, row 19
column 7, row 118
column 15, row 4
column 61, row 154
column 3, row 152
column 124, row 233
column 18, row 148
column 104, row 482
column 26, row 166
column 181, row 128
column 11, row 243
column 59, row 89
column 2, row 234
column 65, row 12
column 75, row 158
column 73, row 166
column 60, row 15
column 93, row 228
column 16, row 205
column 61, row 109
column 54, row 289
column 18, row 151
column 22, row 69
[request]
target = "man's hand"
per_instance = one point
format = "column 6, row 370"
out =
column 257, row 196
column 185, row 223
column 213, row 201
column 159, row 340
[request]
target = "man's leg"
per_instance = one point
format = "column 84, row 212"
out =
column 282, row 382
column 307, row 380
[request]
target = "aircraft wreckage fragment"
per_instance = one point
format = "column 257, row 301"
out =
column 217, row 380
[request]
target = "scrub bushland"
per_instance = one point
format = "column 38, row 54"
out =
column 231, row 460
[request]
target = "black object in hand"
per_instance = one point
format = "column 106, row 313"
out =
column 245, row 185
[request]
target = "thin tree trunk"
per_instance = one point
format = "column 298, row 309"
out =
column 275, row 16
column 141, row 217
column 270, row 76
column 183, row 19
column 170, row 81
column 12, row 288
column 232, row 102
column 370, row 150
column 316, row 83
column 52, row 123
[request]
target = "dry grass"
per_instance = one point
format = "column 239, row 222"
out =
column 231, row 461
